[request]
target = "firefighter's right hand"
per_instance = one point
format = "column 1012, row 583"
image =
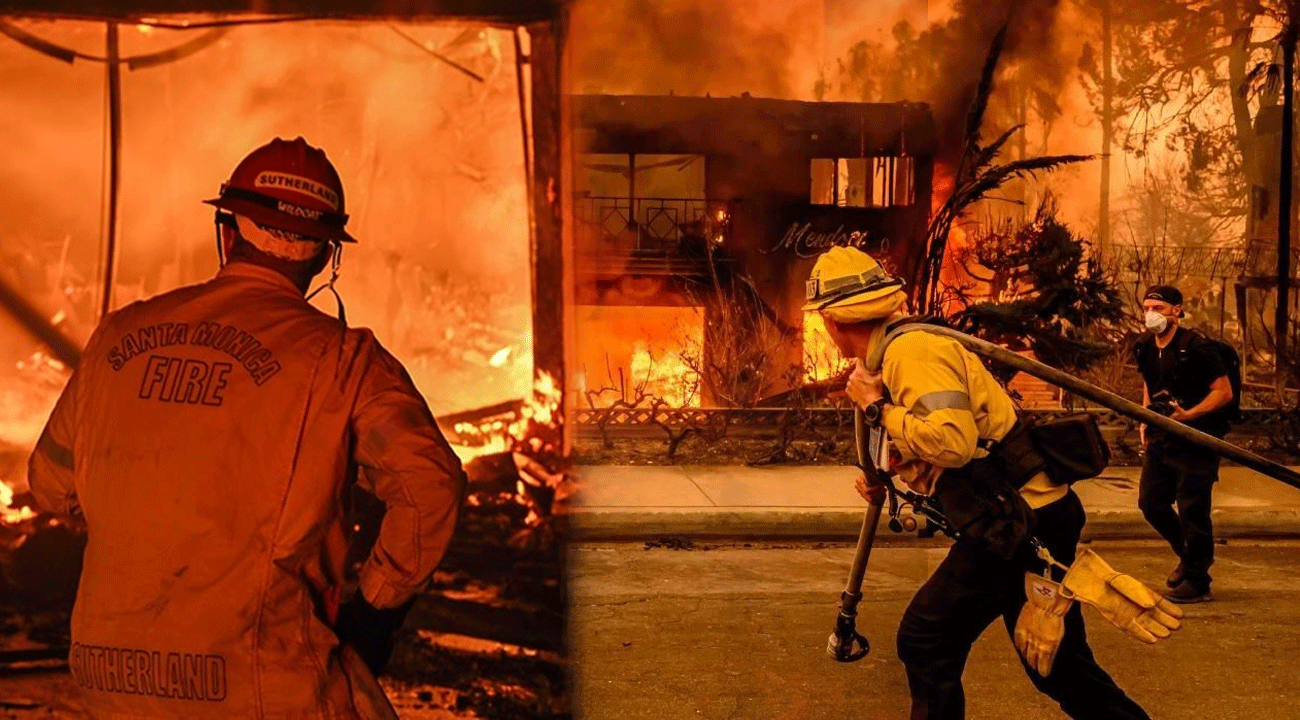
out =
column 872, row 491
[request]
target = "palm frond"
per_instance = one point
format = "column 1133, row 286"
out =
column 975, row 117
column 995, row 177
column 987, row 154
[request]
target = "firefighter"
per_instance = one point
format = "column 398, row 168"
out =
column 954, row 429
column 208, row 439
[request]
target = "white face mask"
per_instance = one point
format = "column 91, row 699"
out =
column 1155, row 321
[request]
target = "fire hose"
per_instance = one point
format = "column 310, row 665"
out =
column 846, row 644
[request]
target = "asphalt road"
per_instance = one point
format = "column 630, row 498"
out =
column 737, row 631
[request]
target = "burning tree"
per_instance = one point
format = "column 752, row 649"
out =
column 976, row 177
column 1035, row 286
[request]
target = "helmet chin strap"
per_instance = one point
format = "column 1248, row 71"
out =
column 336, row 258
column 218, row 222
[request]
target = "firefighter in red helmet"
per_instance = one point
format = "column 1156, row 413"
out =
column 208, row 438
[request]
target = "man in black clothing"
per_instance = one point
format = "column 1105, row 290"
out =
column 1183, row 377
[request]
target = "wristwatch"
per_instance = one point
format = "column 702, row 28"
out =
column 874, row 413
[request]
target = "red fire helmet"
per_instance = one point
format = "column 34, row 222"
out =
column 290, row 186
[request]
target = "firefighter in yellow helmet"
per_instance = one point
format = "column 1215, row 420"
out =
column 208, row 438
column 950, row 424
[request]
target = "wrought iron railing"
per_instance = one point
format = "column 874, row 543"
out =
column 813, row 419
column 1257, row 259
column 649, row 225
column 1173, row 262
column 1261, row 259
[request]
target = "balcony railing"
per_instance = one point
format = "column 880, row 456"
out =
column 651, row 224
column 649, row 236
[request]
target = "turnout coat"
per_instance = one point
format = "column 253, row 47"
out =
column 208, row 438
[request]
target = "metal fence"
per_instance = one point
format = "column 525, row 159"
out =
column 745, row 421
column 1257, row 259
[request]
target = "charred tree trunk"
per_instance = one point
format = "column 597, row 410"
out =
column 1107, row 129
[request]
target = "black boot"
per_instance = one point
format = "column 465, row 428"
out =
column 1191, row 590
column 1177, row 576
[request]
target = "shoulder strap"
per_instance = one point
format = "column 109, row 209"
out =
column 910, row 319
column 1143, row 345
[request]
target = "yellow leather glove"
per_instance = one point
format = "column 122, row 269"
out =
column 1121, row 599
column 1041, row 624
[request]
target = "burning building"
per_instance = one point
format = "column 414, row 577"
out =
column 696, row 221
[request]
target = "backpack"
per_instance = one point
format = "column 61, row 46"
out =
column 1232, row 363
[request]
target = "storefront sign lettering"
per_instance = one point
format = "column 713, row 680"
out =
column 807, row 242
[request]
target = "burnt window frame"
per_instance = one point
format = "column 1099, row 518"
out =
column 885, row 176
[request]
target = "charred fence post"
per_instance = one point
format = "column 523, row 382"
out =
column 548, row 239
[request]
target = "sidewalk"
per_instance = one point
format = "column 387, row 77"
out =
column 648, row 502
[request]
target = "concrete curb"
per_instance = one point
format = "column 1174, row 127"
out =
column 613, row 524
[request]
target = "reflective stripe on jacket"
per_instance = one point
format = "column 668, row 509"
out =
column 208, row 438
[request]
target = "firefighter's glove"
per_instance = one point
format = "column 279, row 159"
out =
column 369, row 631
column 1124, row 601
column 1041, row 624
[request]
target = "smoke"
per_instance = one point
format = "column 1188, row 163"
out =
column 685, row 47
column 937, row 57
column 431, row 160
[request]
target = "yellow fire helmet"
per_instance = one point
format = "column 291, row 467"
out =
column 849, row 286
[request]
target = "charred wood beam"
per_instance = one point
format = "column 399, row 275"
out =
column 508, row 410
column 504, row 12
column 114, row 83
column 548, row 243
column 532, row 627
column 33, row 660
column 34, row 321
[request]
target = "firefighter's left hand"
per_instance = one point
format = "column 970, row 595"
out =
column 864, row 387
column 871, row 491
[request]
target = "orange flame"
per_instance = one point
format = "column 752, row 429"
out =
column 822, row 360
column 10, row 515
column 539, row 414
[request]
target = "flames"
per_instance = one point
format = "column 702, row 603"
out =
column 664, row 376
column 638, row 355
column 527, row 440
column 668, row 377
column 822, row 360
column 10, row 515
column 534, row 427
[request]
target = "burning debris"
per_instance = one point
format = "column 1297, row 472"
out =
column 512, row 455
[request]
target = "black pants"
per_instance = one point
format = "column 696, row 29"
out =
column 966, row 593
column 1183, row 474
